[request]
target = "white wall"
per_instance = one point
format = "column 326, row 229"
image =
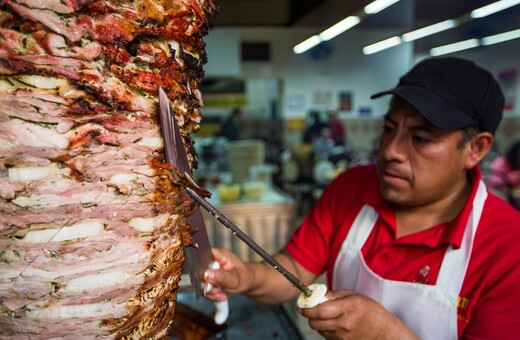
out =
column 345, row 69
column 223, row 49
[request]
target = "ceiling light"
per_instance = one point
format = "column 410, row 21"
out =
column 498, row 38
column 429, row 30
column 382, row 45
column 307, row 44
column 339, row 28
column 455, row 47
column 493, row 8
column 378, row 5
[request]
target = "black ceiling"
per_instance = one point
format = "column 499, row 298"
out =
column 402, row 16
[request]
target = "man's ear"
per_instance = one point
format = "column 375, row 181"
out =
column 477, row 148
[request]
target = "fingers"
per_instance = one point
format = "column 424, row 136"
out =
column 216, row 294
column 325, row 310
column 225, row 258
column 227, row 278
column 224, row 277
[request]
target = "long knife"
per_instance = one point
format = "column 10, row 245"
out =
column 198, row 257
column 223, row 219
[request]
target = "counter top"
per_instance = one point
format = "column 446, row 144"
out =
column 270, row 196
column 247, row 319
column 269, row 221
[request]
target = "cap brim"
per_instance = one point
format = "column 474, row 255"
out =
column 435, row 109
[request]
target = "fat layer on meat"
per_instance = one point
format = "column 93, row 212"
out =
column 92, row 227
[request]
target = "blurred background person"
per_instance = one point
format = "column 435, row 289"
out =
column 314, row 127
column 231, row 127
column 504, row 173
column 338, row 131
column 322, row 145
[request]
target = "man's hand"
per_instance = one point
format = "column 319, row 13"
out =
column 232, row 277
column 348, row 315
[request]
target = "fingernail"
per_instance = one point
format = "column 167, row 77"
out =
column 208, row 274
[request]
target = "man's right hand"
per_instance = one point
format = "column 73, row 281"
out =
column 233, row 276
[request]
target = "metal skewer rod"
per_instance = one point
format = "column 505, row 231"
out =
column 252, row 244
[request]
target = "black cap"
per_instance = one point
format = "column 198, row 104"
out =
column 452, row 93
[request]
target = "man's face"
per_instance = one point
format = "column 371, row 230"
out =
column 418, row 163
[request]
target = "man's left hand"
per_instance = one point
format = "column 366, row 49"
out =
column 348, row 315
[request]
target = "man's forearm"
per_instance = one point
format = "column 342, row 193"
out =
column 270, row 286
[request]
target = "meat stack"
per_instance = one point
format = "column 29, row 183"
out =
column 91, row 225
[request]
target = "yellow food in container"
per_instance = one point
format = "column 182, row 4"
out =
column 228, row 192
column 254, row 190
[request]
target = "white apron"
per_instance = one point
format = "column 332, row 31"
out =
column 430, row 311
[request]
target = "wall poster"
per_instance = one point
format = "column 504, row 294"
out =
column 345, row 101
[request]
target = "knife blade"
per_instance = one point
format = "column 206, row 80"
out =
column 198, row 257
column 178, row 158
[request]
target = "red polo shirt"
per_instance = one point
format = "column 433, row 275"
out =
column 489, row 301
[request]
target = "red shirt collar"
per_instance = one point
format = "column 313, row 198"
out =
column 443, row 234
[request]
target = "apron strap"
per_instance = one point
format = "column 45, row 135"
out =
column 361, row 228
column 455, row 262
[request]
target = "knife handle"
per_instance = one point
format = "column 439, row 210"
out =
column 221, row 307
column 318, row 296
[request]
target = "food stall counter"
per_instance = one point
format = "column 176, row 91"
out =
column 247, row 319
column 268, row 220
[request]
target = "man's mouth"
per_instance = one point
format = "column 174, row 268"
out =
column 393, row 177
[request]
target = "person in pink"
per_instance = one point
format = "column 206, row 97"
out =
column 503, row 177
column 338, row 131
column 413, row 246
column 504, row 173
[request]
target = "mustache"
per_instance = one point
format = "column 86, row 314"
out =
column 391, row 169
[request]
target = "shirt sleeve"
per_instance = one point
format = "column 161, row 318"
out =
column 315, row 243
column 310, row 244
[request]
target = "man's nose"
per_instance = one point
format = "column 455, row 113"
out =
column 394, row 148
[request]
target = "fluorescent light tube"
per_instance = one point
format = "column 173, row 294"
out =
column 455, row 47
column 339, row 28
column 498, row 38
column 307, row 44
column 378, row 5
column 493, row 8
column 429, row 30
column 382, row 45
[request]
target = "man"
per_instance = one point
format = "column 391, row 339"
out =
column 415, row 246
column 313, row 129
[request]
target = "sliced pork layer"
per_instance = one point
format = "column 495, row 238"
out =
column 92, row 225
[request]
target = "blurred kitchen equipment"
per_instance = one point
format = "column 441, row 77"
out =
column 242, row 155
column 262, row 173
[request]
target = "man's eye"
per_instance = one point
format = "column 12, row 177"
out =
column 387, row 129
column 420, row 139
